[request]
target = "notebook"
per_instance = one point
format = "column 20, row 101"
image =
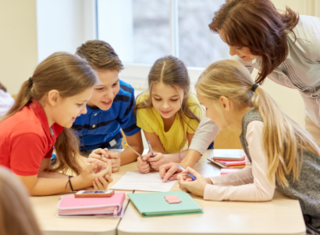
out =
column 228, row 163
column 70, row 205
column 155, row 204
column 227, row 156
column 226, row 171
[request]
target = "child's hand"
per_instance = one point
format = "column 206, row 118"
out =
column 195, row 187
column 101, row 178
column 99, row 155
column 143, row 165
column 115, row 160
column 156, row 161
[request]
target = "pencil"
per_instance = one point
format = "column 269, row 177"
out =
column 133, row 149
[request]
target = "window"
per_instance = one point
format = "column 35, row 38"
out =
column 142, row 31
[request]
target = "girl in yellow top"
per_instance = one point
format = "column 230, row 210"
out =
column 167, row 113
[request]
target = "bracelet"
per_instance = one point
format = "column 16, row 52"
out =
column 69, row 182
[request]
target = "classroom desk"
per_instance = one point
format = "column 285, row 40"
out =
column 279, row 216
column 45, row 208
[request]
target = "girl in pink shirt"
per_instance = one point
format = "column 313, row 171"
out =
column 282, row 155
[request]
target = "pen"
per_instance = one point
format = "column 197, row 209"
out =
column 133, row 149
column 192, row 176
column 150, row 148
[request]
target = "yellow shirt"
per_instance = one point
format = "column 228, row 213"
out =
column 151, row 121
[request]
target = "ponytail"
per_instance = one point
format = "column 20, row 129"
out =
column 281, row 139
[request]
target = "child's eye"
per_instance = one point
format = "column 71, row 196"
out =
column 79, row 105
column 156, row 99
column 115, row 84
column 238, row 48
column 175, row 100
column 99, row 89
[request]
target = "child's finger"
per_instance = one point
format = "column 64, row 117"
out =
column 95, row 186
column 108, row 178
column 192, row 171
column 100, row 151
column 156, row 158
column 103, row 182
column 100, row 183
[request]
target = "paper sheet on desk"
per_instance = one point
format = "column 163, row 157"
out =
column 144, row 182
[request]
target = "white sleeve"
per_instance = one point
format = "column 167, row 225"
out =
column 204, row 135
column 6, row 102
column 251, row 183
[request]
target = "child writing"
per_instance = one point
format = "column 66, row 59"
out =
column 47, row 104
column 109, row 109
column 282, row 154
column 167, row 113
column 16, row 215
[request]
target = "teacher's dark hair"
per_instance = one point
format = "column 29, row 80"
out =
column 258, row 25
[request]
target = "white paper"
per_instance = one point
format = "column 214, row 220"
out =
column 144, row 182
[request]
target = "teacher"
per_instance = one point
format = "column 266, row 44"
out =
column 283, row 46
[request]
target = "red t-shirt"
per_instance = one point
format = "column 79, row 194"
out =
column 25, row 139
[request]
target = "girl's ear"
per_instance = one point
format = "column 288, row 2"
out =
column 225, row 103
column 53, row 97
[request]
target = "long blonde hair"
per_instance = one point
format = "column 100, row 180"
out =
column 16, row 215
column 70, row 75
column 172, row 72
column 282, row 137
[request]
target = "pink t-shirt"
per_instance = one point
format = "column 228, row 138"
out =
column 252, row 182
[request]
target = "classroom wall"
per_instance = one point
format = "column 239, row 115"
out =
column 18, row 42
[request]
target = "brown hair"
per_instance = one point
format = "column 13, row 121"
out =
column 171, row 71
column 282, row 137
column 16, row 214
column 70, row 75
column 100, row 55
column 256, row 24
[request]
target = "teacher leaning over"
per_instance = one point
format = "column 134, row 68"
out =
column 283, row 46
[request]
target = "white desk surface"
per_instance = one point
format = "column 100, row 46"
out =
column 45, row 208
column 279, row 216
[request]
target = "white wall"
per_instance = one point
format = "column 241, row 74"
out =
column 63, row 25
column 18, row 42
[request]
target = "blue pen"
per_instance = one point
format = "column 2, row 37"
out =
column 150, row 148
column 192, row 176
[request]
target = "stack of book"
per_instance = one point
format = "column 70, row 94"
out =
column 229, row 163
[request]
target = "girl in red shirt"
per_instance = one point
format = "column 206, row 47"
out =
column 46, row 106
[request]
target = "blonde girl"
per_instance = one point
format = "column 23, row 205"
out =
column 281, row 153
column 16, row 215
column 167, row 113
column 46, row 107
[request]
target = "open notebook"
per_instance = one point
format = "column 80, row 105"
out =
column 153, row 204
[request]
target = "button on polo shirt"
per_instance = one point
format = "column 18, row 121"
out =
column 25, row 140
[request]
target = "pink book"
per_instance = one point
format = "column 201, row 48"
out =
column 70, row 205
column 225, row 171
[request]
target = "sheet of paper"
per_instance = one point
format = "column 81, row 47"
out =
column 144, row 182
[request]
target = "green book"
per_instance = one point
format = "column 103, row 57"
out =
column 152, row 204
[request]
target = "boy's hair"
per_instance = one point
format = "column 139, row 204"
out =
column 258, row 25
column 282, row 137
column 171, row 71
column 100, row 55
column 69, row 75
column 16, row 214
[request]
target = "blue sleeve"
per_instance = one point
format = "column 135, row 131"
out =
column 128, row 121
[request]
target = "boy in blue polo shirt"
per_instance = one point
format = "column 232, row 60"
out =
column 109, row 109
